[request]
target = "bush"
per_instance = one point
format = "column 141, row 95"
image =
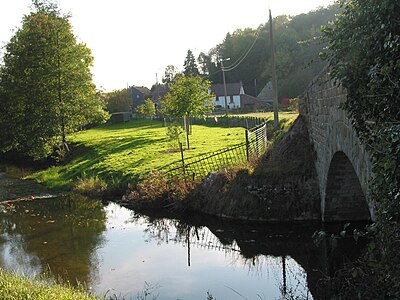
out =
column 90, row 185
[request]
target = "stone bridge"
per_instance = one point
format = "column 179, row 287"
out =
column 343, row 165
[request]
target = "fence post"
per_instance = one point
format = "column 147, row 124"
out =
column 183, row 161
column 247, row 144
column 265, row 135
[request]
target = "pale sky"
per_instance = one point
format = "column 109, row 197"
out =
column 132, row 40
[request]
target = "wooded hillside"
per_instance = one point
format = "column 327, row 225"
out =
column 298, row 45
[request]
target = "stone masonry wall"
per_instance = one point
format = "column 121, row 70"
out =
column 331, row 132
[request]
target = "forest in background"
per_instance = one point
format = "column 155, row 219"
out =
column 298, row 45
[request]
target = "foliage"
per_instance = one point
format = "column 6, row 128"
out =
column 190, row 65
column 363, row 49
column 127, row 152
column 46, row 85
column 297, row 43
column 15, row 287
column 169, row 74
column 157, row 191
column 174, row 131
column 90, row 185
column 147, row 109
column 118, row 101
column 187, row 97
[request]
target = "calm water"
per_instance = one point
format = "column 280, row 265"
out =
column 115, row 251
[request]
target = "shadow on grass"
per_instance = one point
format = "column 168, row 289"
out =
column 143, row 124
column 86, row 161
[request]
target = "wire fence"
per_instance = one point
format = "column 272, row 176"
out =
column 199, row 167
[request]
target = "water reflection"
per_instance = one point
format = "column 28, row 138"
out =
column 279, row 254
column 114, row 251
column 56, row 235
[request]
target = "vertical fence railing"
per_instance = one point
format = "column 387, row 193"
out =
column 256, row 141
column 199, row 167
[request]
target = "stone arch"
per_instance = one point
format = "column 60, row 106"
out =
column 344, row 197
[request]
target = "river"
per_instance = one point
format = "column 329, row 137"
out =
column 117, row 252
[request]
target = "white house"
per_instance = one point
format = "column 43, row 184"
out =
column 236, row 97
column 233, row 92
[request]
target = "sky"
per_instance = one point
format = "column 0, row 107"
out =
column 132, row 41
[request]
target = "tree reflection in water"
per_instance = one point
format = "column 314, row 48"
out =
column 238, row 242
column 50, row 235
column 272, row 250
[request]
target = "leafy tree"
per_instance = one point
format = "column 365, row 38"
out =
column 363, row 50
column 47, row 89
column 118, row 101
column 190, row 65
column 204, row 61
column 297, row 44
column 169, row 74
column 174, row 132
column 147, row 109
column 187, row 97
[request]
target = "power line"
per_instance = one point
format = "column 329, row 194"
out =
column 244, row 55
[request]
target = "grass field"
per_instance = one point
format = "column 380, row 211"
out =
column 123, row 153
column 15, row 287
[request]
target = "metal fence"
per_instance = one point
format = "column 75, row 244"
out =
column 256, row 141
column 200, row 166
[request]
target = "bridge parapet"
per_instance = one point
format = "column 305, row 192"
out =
column 343, row 165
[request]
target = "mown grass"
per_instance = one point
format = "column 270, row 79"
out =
column 126, row 153
column 16, row 287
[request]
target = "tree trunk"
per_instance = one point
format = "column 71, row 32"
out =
column 186, row 125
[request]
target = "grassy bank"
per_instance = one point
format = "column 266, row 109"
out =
column 114, row 155
column 16, row 287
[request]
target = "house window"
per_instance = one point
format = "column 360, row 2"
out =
column 231, row 99
column 216, row 98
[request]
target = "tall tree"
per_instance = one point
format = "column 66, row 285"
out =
column 190, row 65
column 47, row 88
column 188, row 97
column 169, row 74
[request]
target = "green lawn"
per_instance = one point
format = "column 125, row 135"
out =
column 123, row 153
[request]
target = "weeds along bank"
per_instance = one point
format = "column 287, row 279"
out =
column 281, row 186
column 16, row 287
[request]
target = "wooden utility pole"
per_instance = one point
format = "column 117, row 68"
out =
column 224, row 81
column 274, row 80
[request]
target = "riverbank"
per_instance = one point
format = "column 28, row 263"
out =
column 17, row 287
column 281, row 186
